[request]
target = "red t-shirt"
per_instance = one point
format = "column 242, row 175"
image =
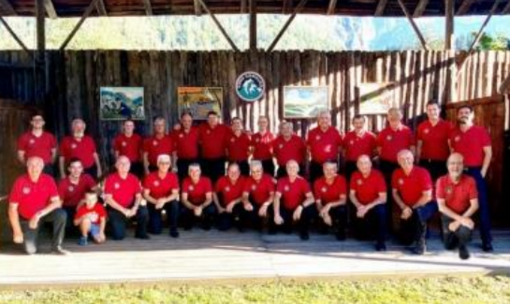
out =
column 411, row 187
column 259, row 191
column 393, row 141
column 238, row 147
column 367, row 188
column 95, row 214
column 128, row 146
column 355, row 145
column 434, row 140
column 32, row 197
column 213, row 140
column 123, row 191
column 227, row 191
column 262, row 146
column 197, row 192
column 457, row 196
column 328, row 193
column 160, row 187
column 186, row 143
column 293, row 193
column 83, row 149
column 470, row 144
column 293, row 149
column 71, row 194
column 155, row 146
column 324, row 146
column 37, row 146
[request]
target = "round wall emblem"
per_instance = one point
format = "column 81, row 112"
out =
column 250, row 86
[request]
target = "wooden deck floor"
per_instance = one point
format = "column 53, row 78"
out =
column 209, row 256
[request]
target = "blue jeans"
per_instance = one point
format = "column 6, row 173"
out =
column 483, row 202
column 415, row 228
column 155, row 219
column 118, row 222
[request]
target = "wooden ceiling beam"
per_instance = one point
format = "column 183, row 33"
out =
column 298, row 9
column 101, row 8
column 148, row 7
column 197, row 7
column 287, row 5
column 420, row 8
column 464, row 7
column 50, row 9
column 379, row 11
column 7, row 6
column 331, row 7
column 506, row 9
column 413, row 25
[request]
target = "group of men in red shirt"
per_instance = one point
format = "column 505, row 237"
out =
column 185, row 174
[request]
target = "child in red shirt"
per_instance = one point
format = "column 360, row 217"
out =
column 91, row 219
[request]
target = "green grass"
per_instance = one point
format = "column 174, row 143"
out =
column 462, row 290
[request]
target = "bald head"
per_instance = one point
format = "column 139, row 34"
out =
column 455, row 165
column 364, row 164
column 405, row 159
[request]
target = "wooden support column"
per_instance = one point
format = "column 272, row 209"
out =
column 220, row 27
column 253, row 25
column 40, row 62
column 331, row 7
column 87, row 12
column 197, row 7
column 148, row 7
column 449, row 42
column 14, row 36
column 413, row 25
column 298, row 9
column 464, row 7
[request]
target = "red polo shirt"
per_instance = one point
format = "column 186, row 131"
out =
column 227, row 191
column 457, row 196
column 37, row 146
column 367, row 188
column 470, row 144
column 123, row 191
column 324, row 146
column 262, row 146
column 393, row 141
column 213, row 140
column 293, row 149
column 196, row 192
column 293, row 193
column 355, row 145
column 83, row 149
column 238, row 147
column 95, row 214
column 411, row 187
column 186, row 143
column 71, row 194
column 155, row 146
column 160, row 187
column 328, row 193
column 434, row 140
column 259, row 191
column 128, row 146
column 31, row 197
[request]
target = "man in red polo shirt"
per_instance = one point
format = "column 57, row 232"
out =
column 357, row 142
column 227, row 197
column 412, row 191
column 330, row 192
column 213, row 139
column 155, row 145
column 324, row 144
column 368, row 194
column 458, row 201
column 80, row 146
column 432, row 148
column 197, row 199
column 238, row 145
column 294, row 202
column 33, row 201
column 474, row 144
column 161, row 190
column 123, row 197
column 258, row 195
column 129, row 144
column 288, row 146
column 186, row 145
column 38, row 142
column 262, row 143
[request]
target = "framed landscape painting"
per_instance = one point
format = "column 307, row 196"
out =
column 120, row 103
column 199, row 101
column 376, row 97
column 304, row 101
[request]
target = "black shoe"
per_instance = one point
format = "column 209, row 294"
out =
column 206, row 226
column 380, row 247
column 340, row 236
column 487, row 247
column 419, row 249
column 463, row 253
column 271, row 231
column 142, row 237
column 174, row 233
column 304, row 235
column 60, row 251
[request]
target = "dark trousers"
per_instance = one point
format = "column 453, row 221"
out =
column 156, row 219
column 244, row 167
column 350, row 168
column 268, row 166
column 227, row 220
column 315, row 171
column 57, row 217
column 414, row 229
column 303, row 225
column 483, row 202
column 92, row 171
column 252, row 218
column 387, row 168
column 434, row 167
column 182, row 167
column 372, row 225
column 136, row 169
column 339, row 218
column 118, row 222
column 188, row 218
column 70, row 212
column 213, row 168
column 282, row 171
column 453, row 239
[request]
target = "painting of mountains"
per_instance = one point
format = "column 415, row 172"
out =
column 121, row 103
column 304, row 101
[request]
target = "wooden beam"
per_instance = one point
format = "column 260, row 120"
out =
column 298, row 9
column 287, row 5
column 331, row 7
column 506, row 9
column 7, row 6
column 420, row 8
column 13, row 34
column 449, row 42
column 198, row 7
column 40, row 61
column 87, row 12
column 505, row 85
column 148, row 7
column 50, row 9
column 380, row 7
column 464, row 7
column 413, row 25
column 220, row 27
column 253, row 25
column 101, row 8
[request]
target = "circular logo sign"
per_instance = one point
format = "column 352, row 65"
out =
column 250, row 86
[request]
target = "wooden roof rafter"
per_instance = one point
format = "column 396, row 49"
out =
column 379, row 10
column 420, row 8
column 50, row 9
column 331, row 7
column 101, row 8
column 148, row 7
column 7, row 6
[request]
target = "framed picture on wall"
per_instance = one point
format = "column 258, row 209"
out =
column 120, row 103
column 199, row 101
column 376, row 97
column 304, row 101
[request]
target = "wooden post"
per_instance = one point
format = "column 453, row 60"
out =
column 413, row 25
column 449, row 42
column 40, row 62
column 505, row 85
column 87, row 12
column 298, row 8
column 220, row 27
column 253, row 25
